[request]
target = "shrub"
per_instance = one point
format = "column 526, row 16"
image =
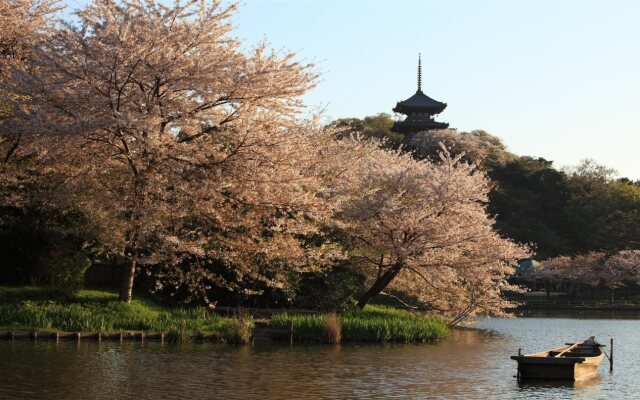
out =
column 329, row 290
column 67, row 273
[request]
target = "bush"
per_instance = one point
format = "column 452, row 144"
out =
column 328, row 290
column 67, row 273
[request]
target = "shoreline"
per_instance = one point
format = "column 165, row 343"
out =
column 32, row 313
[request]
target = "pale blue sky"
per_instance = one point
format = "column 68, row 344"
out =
column 559, row 80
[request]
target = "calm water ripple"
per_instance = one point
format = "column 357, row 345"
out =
column 470, row 365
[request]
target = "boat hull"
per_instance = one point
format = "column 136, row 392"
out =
column 563, row 369
column 575, row 362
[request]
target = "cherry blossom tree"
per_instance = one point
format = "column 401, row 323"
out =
column 477, row 147
column 619, row 270
column 580, row 270
column 182, row 148
column 427, row 223
column 594, row 268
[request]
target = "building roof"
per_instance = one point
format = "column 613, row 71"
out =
column 420, row 103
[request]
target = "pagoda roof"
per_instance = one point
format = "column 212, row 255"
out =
column 419, row 103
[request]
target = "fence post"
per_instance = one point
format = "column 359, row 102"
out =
column 611, row 356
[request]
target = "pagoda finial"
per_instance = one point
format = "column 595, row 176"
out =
column 419, row 72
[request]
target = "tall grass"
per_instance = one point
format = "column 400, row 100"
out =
column 332, row 329
column 99, row 311
column 373, row 324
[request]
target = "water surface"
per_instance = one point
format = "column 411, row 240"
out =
column 469, row 365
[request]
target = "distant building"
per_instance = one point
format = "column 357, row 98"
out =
column 527, row 266
column 420, row 110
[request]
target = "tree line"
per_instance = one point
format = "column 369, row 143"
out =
column 613, row 271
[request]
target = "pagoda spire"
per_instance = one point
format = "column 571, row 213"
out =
column 419, row 72
column 420, row 110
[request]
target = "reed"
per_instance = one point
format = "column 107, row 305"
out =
column 373, row 324
column 332, row 329
column 240, row 328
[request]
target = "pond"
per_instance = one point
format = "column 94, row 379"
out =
column 469, row 365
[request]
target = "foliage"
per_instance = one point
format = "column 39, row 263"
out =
column 373, row 126
column 42, row 235
column 476, row 147
column 22, row 24
column 529, row 199
column 373, row 324
column 603, row 214
column 330, row 289
column 67, row 272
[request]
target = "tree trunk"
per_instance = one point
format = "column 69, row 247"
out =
column 126, row 284
column 547, row 288
column 612, row 296
column 129, row 272
column 379, row 285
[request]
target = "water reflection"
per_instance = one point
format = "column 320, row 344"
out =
column 536, row 384
column 586, row 389
column 470, row 365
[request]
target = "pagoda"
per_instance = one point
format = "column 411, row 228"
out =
column 420, row 110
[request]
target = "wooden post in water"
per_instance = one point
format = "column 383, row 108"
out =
column 611, row 356
column 291, row 332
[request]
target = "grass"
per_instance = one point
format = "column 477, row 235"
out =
column 373, row 324
column 40, row 309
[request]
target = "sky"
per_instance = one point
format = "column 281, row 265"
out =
column 558, row 80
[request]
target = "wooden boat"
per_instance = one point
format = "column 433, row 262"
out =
column 574, row 361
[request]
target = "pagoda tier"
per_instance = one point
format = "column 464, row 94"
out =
column 418, row 103
column 417, row 123
column 419, row 110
